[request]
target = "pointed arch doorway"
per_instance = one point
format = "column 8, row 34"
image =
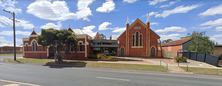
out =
column 153, row 52
column 122, row 51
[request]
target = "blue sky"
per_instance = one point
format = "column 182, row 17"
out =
column 170, row 19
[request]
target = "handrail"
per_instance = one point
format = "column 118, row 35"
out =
column 183, row 63
column 164, row 62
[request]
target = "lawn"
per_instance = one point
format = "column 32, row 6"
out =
column 91, row 64
column 203, row 70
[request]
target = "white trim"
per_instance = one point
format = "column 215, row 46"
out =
column 85, row 48
column 80, row 42
column 137, row 47
column 33, row 35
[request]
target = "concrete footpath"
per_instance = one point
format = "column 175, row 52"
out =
column 165, row 62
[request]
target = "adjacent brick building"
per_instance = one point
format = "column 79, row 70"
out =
column 139, row 40
column 32, row 49
column 9, row 48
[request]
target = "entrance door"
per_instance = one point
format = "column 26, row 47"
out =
column 153, row 52
column 51, row 53
column 122, row 52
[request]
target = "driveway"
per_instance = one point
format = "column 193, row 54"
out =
column 10, row 56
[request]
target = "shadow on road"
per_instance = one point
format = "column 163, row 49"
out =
column 65, row 64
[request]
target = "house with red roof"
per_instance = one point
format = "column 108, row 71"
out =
column 170, row 48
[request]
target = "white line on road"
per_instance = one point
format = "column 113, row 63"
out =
column 19, row 82
column 113, row 78
column 17, row 69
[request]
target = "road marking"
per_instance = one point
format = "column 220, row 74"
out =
column 19, row 82
column 113, row 78
column 17, row 69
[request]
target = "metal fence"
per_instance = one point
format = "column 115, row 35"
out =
column 202, row 57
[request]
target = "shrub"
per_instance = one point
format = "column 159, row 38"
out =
column 101, row 56
column 111, row 57
column 92, row 57
column 180, row 58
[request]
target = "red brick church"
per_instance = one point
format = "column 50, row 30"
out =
column 137, row 40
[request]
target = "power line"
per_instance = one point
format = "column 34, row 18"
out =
column 13, row 13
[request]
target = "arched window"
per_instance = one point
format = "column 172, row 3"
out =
column 34, row 46
column 137, row 36
column 140, row 40
column 80, row 46
column 26, row 47
column 43, row 48
column 133, row 40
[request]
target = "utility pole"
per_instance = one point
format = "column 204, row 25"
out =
column 13, row 13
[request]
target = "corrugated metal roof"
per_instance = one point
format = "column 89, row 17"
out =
column 9, row 45
column 78, row 31
column 176, row 42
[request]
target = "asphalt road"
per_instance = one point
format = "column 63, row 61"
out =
column 34, row 74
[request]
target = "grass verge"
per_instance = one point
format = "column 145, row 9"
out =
column 9, row 54
column 203, row 70
column 91, row 64
column 25, row 60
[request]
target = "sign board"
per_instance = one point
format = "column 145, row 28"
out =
column 180, row 54
column 96, row 48
column 137, row 27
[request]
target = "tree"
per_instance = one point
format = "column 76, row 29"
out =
column 201, row 43
column 184, row 37
column 165, row 41
column 57, row 39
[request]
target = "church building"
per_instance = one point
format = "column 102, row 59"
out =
column 139, row 40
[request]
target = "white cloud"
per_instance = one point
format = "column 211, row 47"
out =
column 129, row 1
column 170, row 36
column 91, row 27
column 170, row 4
column 22, row 23
column 213, row 23
column 218, row 29
column 119, row 30
column 154, row 2
column 154, row 23
column 206, row 27
column 9, row 5
column 150, row 14
column 2, row 25
column 212, row 11
column 10, row 33
column 217, row 38
column 58, row 10
column 2, row 40
column 171, row 29
column 52, row 25
column 179, row 9
column 108, row 6
column 104, row 25
column 88, row 30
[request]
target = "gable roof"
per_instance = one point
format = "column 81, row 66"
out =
column 78, row 31
column 176, row 42
column 34, row 33
column 138, row 20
